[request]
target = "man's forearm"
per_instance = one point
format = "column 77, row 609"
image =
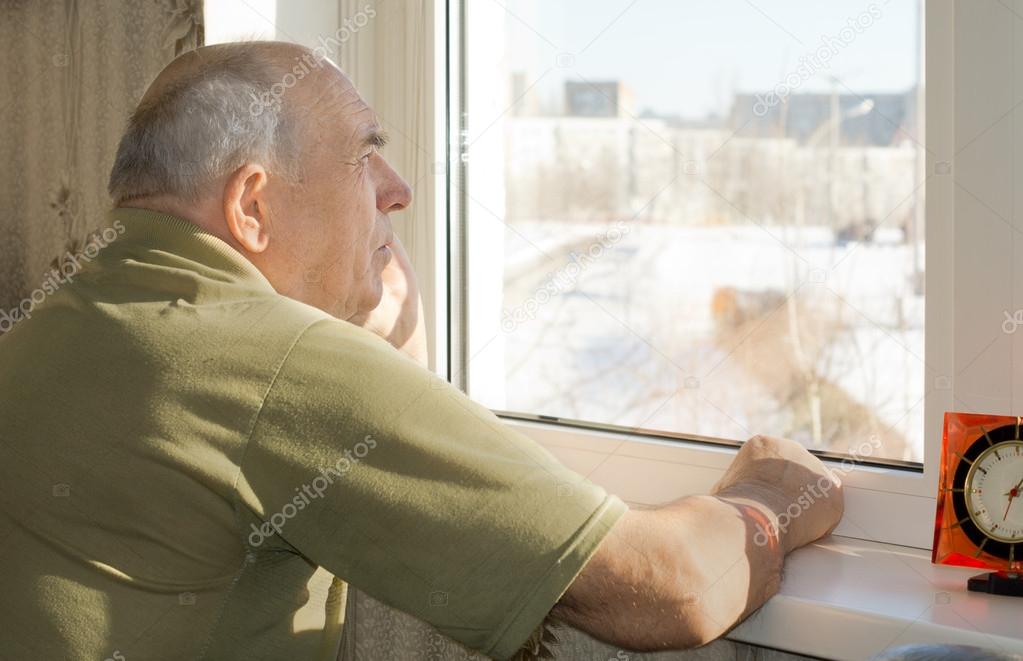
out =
column 737, row 554
column 691, row 570
column 684, row 574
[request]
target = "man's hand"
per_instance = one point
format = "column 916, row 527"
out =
column 398, row 318
column 803, row 494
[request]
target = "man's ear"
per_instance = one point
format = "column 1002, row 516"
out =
column 246, row 211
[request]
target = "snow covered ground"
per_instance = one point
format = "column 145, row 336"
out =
column 628, row 338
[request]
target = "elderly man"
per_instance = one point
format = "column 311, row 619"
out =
column 224, row 420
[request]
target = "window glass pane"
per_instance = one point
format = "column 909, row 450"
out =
column 700, row 217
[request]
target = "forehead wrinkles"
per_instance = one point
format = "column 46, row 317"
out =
column 339, row 110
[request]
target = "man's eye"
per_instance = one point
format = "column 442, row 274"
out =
column 361, row 161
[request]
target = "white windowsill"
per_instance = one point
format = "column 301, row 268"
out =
column 844, row 598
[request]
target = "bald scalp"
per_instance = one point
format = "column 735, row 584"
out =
column 264, row 61
column 214, row 109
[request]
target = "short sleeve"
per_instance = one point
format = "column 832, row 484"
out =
column 393, row 480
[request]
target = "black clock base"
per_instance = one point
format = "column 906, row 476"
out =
column 997, row 583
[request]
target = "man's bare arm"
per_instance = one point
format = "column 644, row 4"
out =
column 682, row 575
column 673, row 578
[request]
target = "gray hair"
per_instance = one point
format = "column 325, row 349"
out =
column 206, row 123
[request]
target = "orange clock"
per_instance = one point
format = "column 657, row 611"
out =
column 979, row 521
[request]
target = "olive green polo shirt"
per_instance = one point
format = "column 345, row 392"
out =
column 193, row 466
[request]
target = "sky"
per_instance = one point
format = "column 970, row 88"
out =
column 687, row 57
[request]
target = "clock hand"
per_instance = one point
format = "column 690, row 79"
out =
column 1012, row 495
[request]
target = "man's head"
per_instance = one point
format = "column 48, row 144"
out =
column 274, row 151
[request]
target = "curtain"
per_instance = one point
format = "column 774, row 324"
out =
column 73, row 70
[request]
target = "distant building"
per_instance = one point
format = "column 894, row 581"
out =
column 598, row 99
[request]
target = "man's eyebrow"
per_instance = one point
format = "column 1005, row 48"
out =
column 374, row 138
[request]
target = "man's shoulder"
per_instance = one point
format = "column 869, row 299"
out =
column 331, row 356
column 328, row 335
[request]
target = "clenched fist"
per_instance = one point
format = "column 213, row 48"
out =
column 805, row 496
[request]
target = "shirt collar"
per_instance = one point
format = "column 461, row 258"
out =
column 149, row 227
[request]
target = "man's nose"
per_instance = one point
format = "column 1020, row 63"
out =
column 393, row 193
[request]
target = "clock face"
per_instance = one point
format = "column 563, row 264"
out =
column 994, row 491
column 987, row 493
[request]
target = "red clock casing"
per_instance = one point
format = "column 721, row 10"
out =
column 957, row 540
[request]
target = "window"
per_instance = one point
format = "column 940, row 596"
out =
column 699, row 219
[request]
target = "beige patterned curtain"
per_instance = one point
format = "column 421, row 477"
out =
column 72, row 72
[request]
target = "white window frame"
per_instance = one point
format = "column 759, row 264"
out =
column 971, row 191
